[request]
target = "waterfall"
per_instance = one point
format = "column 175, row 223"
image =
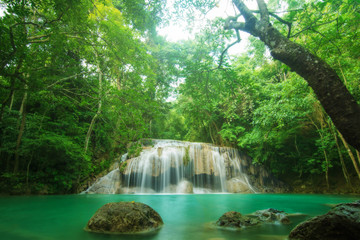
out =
column 183, row 167
column 169, row 166
column 110, row 183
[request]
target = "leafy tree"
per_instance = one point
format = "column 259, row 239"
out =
column 77, row 85
column 327, row 85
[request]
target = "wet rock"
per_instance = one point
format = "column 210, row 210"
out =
column 340, row 223
column 108, row 184
column 236, row 185
column 272, row 215
column 185, row 187
column 133, row 190
column 234, row 219
column 124, row 217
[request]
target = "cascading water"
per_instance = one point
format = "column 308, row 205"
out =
column 170, row 166
column 184, row 167
column 110, row 183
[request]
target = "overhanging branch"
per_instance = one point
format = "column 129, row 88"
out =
column 231, row 23
column 264, row 13
column 245, row 12
column 311, row 27
column 289, row 24
column 228, row 47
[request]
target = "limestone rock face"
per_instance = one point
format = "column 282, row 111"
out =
column 234, row 219
column 124, row 217
column 340, row 223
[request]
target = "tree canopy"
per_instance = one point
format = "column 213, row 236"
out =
column 82, row 80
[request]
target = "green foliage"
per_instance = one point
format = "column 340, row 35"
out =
column 80, row 80
column 170, row 124
column 134, row 149
column 329, row 29
column 123, row 167
column 259, row 105
column 186, row 158
column 147, row 142
column 74, row 74
column 143, row 15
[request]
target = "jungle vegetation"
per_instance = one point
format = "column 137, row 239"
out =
column 82, row 79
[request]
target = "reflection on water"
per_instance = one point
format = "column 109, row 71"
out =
column 185, row 216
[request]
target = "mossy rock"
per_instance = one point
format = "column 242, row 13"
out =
column 340, row 223
column 124, row 218
column 236, row 220
column 272, row 215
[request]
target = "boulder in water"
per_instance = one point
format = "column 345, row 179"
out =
column 236, row 220
column 340, row 223
column 272, row 215
column 124, row 217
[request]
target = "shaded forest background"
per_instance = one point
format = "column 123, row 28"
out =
column 82, row 79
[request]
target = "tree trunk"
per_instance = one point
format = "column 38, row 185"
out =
column 326, row 170
column 337, row 101
column 93, row 120
column 21, row 130
column 327, row 163
column 343, row 166
column 351, row 155
column 11, row 101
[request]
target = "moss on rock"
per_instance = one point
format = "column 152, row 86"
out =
column 124, row 218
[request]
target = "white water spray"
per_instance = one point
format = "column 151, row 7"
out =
column 183, row 167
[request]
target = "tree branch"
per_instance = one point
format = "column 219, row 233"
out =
column 289, row 24
column 66, row 78
column 228, row 47
column 38, row 37
column 40, row 41
column 264, row 13
column 311, row 28
column 245, row 12
column 328, row 40
column 231, row 23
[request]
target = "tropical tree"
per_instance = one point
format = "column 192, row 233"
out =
column 332, row 93
column 77, row 85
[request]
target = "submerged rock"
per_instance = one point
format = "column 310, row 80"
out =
column 124, row 217
column 340, row 223
column 234, row 219
column 272, row 215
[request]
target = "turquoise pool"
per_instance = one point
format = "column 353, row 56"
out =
column 185, row 216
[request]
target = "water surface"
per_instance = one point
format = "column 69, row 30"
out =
column 185, row 216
